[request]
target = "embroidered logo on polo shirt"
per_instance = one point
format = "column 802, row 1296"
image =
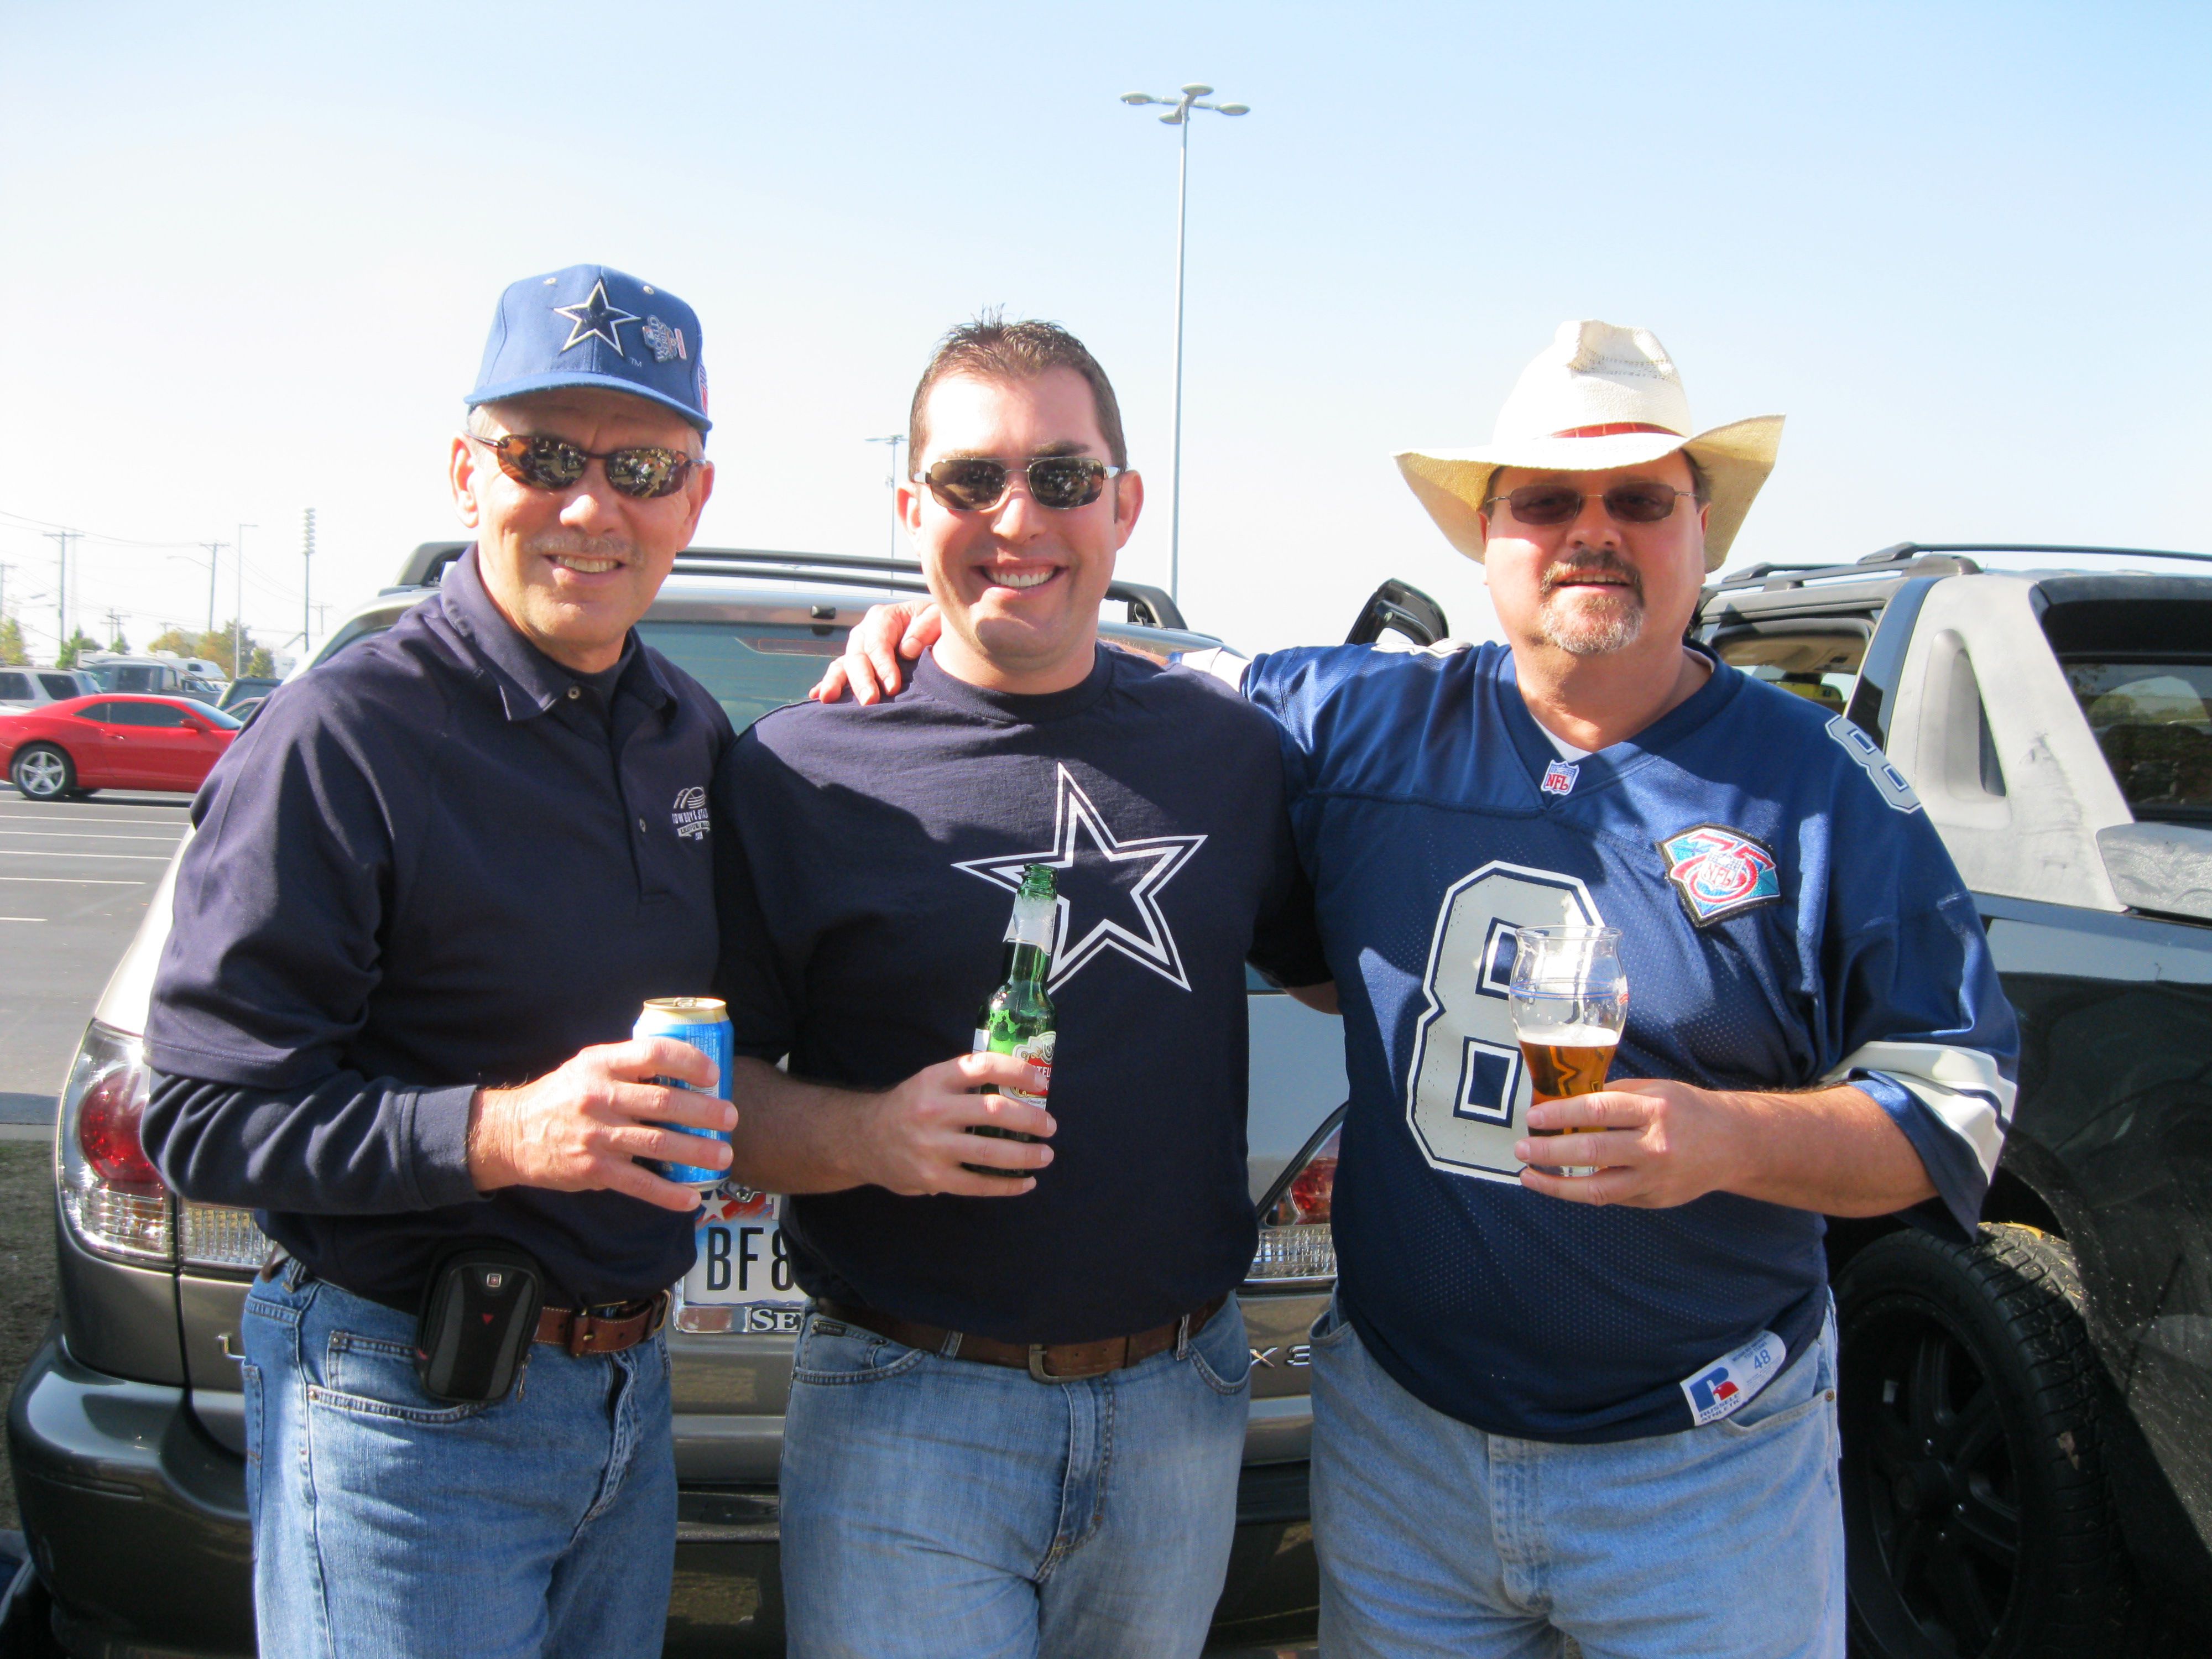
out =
column 689, row 813
column 1719, row 872
column 1559, row 778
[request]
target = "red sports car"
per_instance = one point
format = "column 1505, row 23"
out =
column 60, row 751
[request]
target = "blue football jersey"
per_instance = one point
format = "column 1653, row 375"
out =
column 1787, row 918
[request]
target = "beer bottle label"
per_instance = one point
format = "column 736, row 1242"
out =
column 1038, row 1051
column 982, row 1043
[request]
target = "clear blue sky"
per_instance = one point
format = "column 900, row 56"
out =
column 252, row 253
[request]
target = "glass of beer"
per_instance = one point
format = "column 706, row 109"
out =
column 1570, row 1001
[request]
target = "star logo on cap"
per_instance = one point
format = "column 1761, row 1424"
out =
column 594, row 319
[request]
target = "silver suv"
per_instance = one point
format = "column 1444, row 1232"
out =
column 30, row 687
column 127, row 1431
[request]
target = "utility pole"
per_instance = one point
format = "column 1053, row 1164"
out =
column 238, row 639
column 61, row 539
column 114, row 625
column 1193, row 97
column 894, row 439
column 214, row 549
column 307, row 563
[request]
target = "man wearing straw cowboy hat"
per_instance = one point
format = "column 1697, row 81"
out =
column 1550, row 1402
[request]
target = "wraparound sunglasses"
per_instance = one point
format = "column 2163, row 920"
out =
column 643, row 472
column 1551, row 504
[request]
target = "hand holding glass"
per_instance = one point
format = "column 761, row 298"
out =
column 1570, row 1001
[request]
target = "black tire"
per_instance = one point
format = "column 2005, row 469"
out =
column 1979, row 1521
column 43, row 771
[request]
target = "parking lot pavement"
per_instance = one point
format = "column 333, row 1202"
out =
column 75, row 880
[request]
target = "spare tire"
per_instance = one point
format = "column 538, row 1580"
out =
column 1979, row 1521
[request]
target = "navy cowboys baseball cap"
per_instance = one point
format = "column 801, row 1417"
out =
column 595, row 325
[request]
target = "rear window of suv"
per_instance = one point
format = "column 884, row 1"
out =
column 2152, row 719
column 750, row 667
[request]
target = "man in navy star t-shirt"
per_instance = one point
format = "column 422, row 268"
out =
column 985, row 1350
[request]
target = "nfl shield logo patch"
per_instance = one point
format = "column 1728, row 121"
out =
column 1559, row 778
column 1719, row 872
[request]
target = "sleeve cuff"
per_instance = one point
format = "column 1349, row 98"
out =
column 437, row 1128
column 1955, row 1211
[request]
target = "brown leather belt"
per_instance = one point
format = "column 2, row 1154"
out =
column 1056, row 1362
column 607, row 1329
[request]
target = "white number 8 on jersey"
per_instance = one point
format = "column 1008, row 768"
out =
column 1466, row 1096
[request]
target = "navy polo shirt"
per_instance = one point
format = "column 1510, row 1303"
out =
column 439, row 861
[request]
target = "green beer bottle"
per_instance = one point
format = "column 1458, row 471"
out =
column 1018, row 1018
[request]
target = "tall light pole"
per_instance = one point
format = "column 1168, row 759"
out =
column 1193, row 97
column 894, row 439
column 238, row 633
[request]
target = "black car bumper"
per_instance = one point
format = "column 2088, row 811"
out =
column 136, row 1520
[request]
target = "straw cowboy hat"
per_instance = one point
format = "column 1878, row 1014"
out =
column 1598, row 397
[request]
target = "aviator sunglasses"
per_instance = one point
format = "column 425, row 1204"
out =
column 1552, row 503
column 643, row 472
column 974, row 484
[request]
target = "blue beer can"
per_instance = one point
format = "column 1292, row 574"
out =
column 704, row 1023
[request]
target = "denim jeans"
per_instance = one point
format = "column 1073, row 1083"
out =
column 940, row 1507
column 386, row 1523
column 1434, row 1538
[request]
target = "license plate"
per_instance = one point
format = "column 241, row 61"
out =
column 741, row 1281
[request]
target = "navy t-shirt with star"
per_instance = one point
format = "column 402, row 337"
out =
column 869, row 857
column 1788, row 918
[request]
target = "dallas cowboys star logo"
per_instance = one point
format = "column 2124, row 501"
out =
column 1085, row 848
column 594, row 319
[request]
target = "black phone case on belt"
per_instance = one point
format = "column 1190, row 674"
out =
column 479, row 1317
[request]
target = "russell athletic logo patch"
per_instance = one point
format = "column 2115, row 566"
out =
column 1719, row 872
column 1726, row 1386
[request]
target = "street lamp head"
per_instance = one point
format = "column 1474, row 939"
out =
column 1235, row 109
column 1196, row 90
column 1172, row 118
column 1141, row 97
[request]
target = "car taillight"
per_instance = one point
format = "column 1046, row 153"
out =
column 113, row 1197
column 1295, row 1246
column 113, row 1194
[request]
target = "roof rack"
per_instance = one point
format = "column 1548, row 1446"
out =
column 1928, row 559
column 1148, row 606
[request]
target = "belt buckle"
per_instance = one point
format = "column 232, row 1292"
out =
column 1039, row 1373
column 661, row 1303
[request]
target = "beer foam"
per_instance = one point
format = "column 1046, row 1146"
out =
column 1569, row 1036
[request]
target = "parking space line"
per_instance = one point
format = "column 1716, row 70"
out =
column 85, row 835
column 33, row 852
column 78, row 881
column 22, row 918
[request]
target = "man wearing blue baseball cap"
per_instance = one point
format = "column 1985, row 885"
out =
column 428, row 890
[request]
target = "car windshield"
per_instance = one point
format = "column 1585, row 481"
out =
column 220, row 717
column 750, row 667
column 2153, row 722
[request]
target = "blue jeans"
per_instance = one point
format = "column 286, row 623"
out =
column 1435, row 1538
column 940, row 1507
column 386, row 1523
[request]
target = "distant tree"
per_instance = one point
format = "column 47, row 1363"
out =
column 176, row 640
column 11, row 644
column 119, row 646
column 260, row 664
column 73, row 647
column 222, row 647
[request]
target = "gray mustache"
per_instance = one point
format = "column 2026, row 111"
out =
column 577, row 546
column 1583, row 569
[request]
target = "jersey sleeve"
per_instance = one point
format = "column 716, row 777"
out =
column 1917, row 1018
column 1297, row 688
column 265, row 979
